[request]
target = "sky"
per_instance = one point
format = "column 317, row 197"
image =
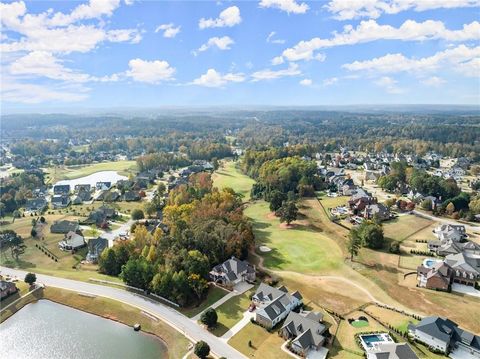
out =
column 139, row 53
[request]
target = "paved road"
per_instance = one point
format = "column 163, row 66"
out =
column 445, row 220
column 177, row 320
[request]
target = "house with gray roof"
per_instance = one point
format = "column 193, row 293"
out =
column 274, row 304
column 376, row 210
column 36, row 204
column 64, row 226
column 305, row 331
column 95, row 248
column 444, row 335
column 232, row 271
column 456, row 233
column 466, row 268
column 387, row 350
column 60, row 201
column 61, row 189
column 72, row 241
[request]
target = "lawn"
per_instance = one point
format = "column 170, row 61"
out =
column 54, row 174
column 230, row 176
column 302, row 248
column 393, row 318
column 214, row 295
column 404, row 226
column 177, row 343
column 230, row 312
column 264, row 345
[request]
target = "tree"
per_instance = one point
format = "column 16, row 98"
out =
column 209, row 317
column 30, row 278
column 450, row 208
column 276, row 199
column 108, row 262
column 372, row 235
column 202, row 349
column 137, row 214
column 475, row 204
column 161, row 189
column 288, row 212
column 426, row 204
column 354, row 243
column 137, row 273
column 198, row 285
column 33, row 232
column 42, row 219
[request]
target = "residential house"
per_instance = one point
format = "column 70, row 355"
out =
column 447, row 246
column 72, row 241
column 376, row 210
column 82, row 196
column 437, row 277
column 60, row 201
column 466, row 268
column 130, row 196
column 452, row 232
column 61, row 189
column 444, row 335
column 95, row 248
column 36, row 204
column 384, row 350
column 232, row 271
column 83, row 187
column 7, row 288
column 305, row 331
column 64, row 226
column 274, row 304
column 359, row 200
column 103, row 186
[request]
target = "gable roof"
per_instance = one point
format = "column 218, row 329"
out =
column 307, row 330
column 437, row 327
column 385, row 350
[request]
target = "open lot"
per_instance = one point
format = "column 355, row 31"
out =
column 230, row 176
column 54, row 174
column 404, row 226
column 264, row 345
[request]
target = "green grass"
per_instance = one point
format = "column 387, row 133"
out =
column 230, row 312
column 302, row 249
column 264, row 345
column 61, row 173
column 214, row 295
column 404, row 226
column 359, row 324
column 230, row 176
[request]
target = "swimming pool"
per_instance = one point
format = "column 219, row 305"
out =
column 370, row 340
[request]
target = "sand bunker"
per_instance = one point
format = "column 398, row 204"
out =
column 264, row 249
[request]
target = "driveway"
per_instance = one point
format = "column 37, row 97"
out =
column 445, row 220
column 239, row 326
column 175, row 319
column 465, row 289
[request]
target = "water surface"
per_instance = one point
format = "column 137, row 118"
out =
column 101, row 176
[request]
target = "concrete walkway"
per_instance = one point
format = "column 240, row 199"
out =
column 239, row 326
column 240, row 288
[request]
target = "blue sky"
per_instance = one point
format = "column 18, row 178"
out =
column 110, row 53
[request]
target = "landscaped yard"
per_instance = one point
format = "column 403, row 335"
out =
column 302, row 248
column 54, row 174
column 230, row 176
column 230, row 312
column 264, row 345
column 404, row 226
column 214, row 295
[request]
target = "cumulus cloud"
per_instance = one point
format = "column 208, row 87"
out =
column 462, row 59
column 222, row 43
column 269, row 74
column 306, row 82
column 169, row 30
column 433, row 81
column 289, row 6
column 389, row 84
column 352, row 9
column 151, row 72
column 368, row 31
column 330, row 81
column 227, row 18
column 212, row 78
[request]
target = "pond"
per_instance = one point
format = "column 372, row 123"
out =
column 102, row 176
column 49, row 330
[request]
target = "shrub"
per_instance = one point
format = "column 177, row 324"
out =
column 202, row 349
column 30, row 278
column 209, row 317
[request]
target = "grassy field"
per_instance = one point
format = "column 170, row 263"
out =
column 265, row 345
column 230, row 312
column 395, row 319
column 214, row 295
column 302, row 248
column 230, row 176
column 404, row 226
column 54, row 174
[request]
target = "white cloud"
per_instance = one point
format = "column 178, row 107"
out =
column 289, row 6
column 18, row 92
column 222, row 43
column 330, row 81
column 169, row 30
column 212, row 78
column 271, row 40
column 389, row 84
column 278, row 60
column 462, row 59
column 227, row 18
column 370, row 30
column 150, row 71
column 269, row 74
column 433, row 81
column 59, row 32
column 352, row 9
column 306, row 82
